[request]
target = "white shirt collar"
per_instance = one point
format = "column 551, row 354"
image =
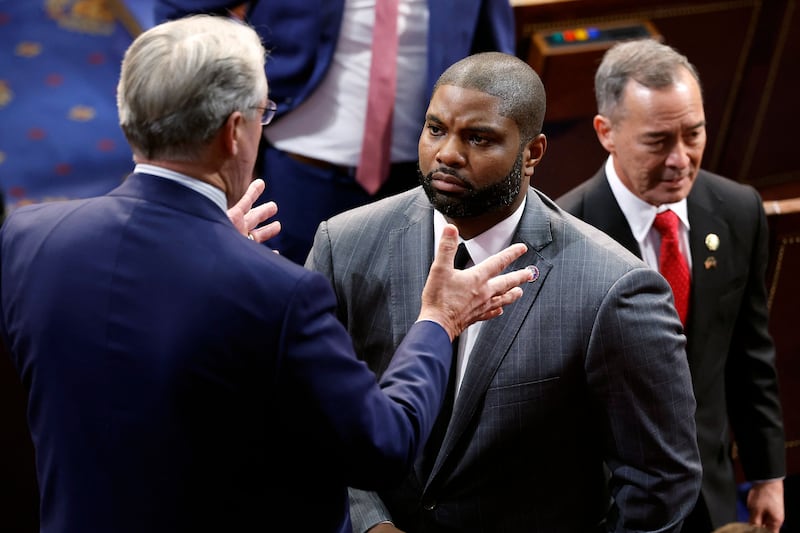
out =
column 640, row 214
column 209, row 191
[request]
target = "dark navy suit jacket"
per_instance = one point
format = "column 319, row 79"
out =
column 730, row 351
column 184, row 378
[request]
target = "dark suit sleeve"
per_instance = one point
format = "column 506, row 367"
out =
column 366, row 507
column 751, row 382
column 374, row 431
column 637, row 368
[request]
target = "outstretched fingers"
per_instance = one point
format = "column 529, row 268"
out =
column 259, row 214
column 457, row 298
column 504, row 288
column 250, row 196
column 499, row 261
column 246, row 218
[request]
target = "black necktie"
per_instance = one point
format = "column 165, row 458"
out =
column 462, row 257
column 442, row 421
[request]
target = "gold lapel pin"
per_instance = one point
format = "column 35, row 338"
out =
column 712, row 242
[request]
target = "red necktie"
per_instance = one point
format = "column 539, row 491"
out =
column 373, row 165
column 671, row 262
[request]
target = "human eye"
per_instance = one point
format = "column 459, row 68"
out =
column 694, row 136
column 478, row 140
column 434, row 129
column 654, row 145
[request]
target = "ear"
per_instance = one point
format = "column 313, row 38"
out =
column 534, row 152
column 231, row 133
column 604, row 131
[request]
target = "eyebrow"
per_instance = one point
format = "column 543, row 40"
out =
column 431, row 117
column 654, row 134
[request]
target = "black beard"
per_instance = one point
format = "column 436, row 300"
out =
column 474, row 202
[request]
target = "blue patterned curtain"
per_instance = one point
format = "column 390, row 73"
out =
column 59, row 132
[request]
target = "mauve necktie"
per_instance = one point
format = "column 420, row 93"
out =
column 671, row 262
column 440, row 426
column 374, row 162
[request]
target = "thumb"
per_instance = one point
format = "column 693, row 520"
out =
column 448, row 244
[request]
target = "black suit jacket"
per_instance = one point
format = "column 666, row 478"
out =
column 731, row 354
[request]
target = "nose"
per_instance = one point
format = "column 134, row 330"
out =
column 679, row 156
column 450, row 152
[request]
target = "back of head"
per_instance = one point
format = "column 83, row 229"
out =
column 646, row 61
column 180, row 80
column 508, row 78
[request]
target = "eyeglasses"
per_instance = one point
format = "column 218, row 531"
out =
column 267, row 112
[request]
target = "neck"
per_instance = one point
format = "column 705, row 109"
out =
column 192, row 169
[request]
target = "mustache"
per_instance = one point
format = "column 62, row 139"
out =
column 450, row 172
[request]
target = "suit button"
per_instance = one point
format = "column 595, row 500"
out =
column 430, row 505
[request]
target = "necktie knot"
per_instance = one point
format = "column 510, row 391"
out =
column 667, row 223
column 462, row 257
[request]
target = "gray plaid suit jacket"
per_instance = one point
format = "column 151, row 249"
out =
column 587, row 369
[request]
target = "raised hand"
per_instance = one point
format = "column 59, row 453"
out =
column 457, row 298
column 246, row 218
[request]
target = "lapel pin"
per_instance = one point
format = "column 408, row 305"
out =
column 710, row 262
column 535, row 271
column 712, row 242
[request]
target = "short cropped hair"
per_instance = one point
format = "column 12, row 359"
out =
column 645, row 61
column 180, row 81
column 508, row 78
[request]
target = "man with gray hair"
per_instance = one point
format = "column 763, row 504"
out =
column 652, row 123
column 181, row 377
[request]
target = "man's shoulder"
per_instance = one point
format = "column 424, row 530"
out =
column 408, row 205
column 576, row 240
column 722, row 194
column 41, row 216
column 721, row 184
column 573, row 199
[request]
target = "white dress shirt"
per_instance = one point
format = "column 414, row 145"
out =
column 640, row 216
column 480, row 248
column 329, row 125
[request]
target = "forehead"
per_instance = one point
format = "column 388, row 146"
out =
column 678, row 104
column 468, row 108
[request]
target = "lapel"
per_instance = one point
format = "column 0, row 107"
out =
column 497, row 335
column 601, row 210
column 410, row 259
column 710, row 268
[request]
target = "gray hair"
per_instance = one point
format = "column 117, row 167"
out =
column 180, row 81
column 508, row 78
column 645, row 61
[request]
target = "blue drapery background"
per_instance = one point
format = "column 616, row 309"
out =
column 59, row 65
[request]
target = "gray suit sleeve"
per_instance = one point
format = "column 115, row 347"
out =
column 366, row 510
column 636, row 365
